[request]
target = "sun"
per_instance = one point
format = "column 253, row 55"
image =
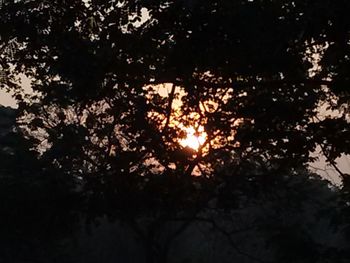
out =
column 194, row 139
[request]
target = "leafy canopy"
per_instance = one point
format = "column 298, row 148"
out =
column 243, row 72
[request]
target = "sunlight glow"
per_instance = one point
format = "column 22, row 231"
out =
column 194, row 139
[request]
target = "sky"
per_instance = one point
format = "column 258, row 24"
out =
column 6, row 99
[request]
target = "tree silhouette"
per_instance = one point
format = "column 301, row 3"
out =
column 38, row 204
column 250, row 75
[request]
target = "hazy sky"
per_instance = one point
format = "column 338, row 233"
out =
column 6, row 99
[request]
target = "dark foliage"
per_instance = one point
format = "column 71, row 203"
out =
column 251, row 75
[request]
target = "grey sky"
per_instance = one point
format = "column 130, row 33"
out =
column 6, row 99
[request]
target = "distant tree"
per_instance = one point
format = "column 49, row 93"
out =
column 38, row 203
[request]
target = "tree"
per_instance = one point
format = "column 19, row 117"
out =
column 39, row 204
column 261, row 71
column 243, row 71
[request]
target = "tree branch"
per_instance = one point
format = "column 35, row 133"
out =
column 169, row 108
column 235, row 84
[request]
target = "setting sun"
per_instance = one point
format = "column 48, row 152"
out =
column 194, row 139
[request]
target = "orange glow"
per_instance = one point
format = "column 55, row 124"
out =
column 194, row 139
